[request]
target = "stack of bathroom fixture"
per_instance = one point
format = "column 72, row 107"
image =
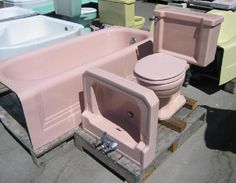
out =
column 71, row 10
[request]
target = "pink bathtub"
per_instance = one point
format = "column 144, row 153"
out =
column 48, row 82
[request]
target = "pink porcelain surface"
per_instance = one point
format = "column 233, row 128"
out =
column 180, row 37
column 189, row 35
column 171, row 105
column 160, row 67
column 48, row 82
column 126, row 111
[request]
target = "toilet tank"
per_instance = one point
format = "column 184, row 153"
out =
column 68, row 8
column 186, row 34
column 117, row 12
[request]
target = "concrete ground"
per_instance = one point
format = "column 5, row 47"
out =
column 207, row 157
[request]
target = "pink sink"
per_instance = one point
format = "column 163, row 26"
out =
column 124, row 110
column 48, row 81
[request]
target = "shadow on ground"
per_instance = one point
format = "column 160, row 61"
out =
column 220, row 133
column 207, row 85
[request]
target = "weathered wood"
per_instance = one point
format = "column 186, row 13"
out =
column 194, row 121
column 190, row 103
column 173, row 147
column 174, row 124
column 114, row 160
column 168, row 141
column 12, row 118
column 17, row 130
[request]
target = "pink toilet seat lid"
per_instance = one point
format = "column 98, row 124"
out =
column 160, row 67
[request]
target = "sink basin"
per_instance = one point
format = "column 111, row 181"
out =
column 16, row 39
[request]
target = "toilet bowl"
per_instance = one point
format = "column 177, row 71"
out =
column 180, row 38
column 85, row 18
column 138, row 22
column 87, row 15
column 165, row 76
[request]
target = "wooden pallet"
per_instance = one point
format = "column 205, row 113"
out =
column 168, row 141
column 12, row 118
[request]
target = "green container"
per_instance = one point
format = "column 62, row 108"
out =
column 68, row 8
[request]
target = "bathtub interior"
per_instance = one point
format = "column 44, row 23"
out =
column 32, row 30
column 68, row 55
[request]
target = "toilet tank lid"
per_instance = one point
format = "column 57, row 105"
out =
column 189, row 16
column 121, row 1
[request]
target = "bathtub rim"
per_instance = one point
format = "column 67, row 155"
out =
column 61, row 45
column 77, row 28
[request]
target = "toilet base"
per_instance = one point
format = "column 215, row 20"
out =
column 174, row 103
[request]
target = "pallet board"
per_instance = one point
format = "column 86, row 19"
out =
column 12, row 118
column 168, row 141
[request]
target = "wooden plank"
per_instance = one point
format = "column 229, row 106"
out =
column 12, row 118
column 164, row 143
column 116, row 161
column 194, row 121
column 17, row 130
column 190, row 103
column 182, row 113
column 173, row 147
column 51, row 145
column 174, row 124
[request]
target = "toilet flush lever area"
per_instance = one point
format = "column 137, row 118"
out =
column 105, row 144
column 155, row 19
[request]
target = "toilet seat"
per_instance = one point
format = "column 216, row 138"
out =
column 160, row 68
column 87, row 10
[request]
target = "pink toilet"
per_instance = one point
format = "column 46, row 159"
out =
column 181, row 37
